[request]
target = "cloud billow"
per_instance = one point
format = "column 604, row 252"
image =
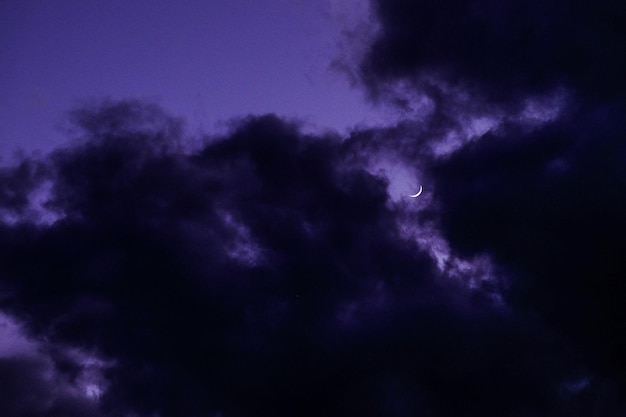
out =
column 269, row 272
column 501, row 49
column 540, row 190
column 262, row 274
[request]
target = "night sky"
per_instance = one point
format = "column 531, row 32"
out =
column 205, row 211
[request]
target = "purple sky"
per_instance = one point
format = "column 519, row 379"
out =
column 204, row 61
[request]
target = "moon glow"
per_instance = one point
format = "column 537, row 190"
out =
column 418, row 193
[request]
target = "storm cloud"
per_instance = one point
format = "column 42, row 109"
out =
column 533, row 176
column 263, row 274
column 270, row 272
column 500, row 49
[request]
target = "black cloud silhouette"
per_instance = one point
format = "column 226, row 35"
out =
column 501, row 49
column 263, row 274
column 268, row 272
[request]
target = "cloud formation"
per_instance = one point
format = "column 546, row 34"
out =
column 501, row 49
column 269, row 272
column 540, row 187
column 263, row 274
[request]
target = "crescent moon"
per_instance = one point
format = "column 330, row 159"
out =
column 418, row 193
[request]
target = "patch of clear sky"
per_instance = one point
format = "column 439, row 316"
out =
column 203, row 61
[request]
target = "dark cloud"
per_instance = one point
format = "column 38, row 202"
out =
column 16, row 183
column 500, row 49
column 263, row 274
column 31, row 388
column 273, row 273
column 549, row 204
column 540, row 189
